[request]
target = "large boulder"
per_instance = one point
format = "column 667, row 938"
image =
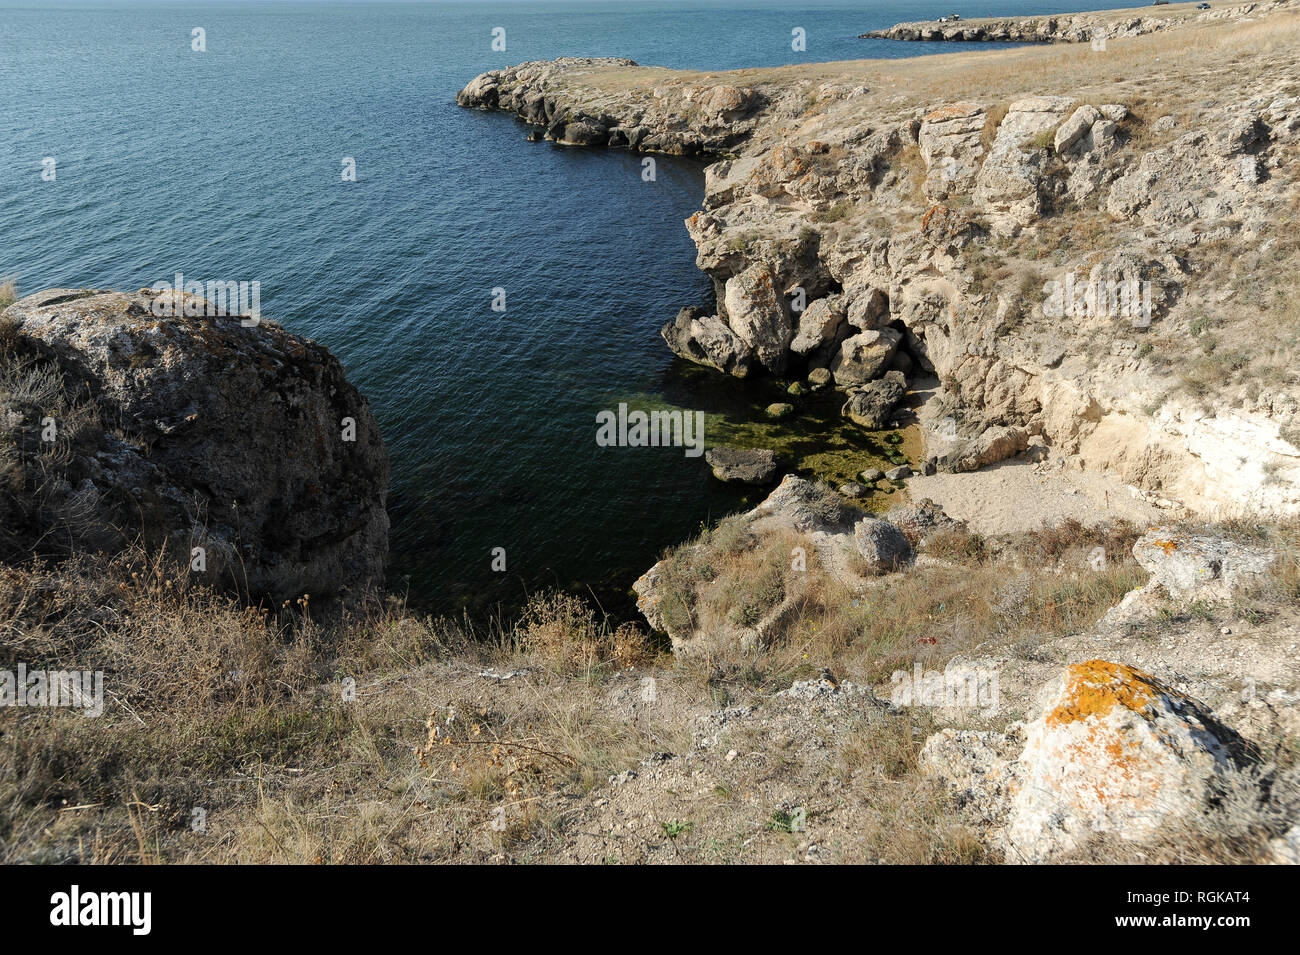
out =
column 1115, row 751
column 1075, row 128
column 872, row 406
column 217, row 432
column 1194, row 566
column 757, row 314
column 819, row 325
column 706, row 340
column 864, row 356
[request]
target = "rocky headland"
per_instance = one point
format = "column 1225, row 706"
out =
column 1069, row 28
column 1052, row 249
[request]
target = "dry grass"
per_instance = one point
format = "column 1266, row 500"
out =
column 728, row 579
column 297, row 739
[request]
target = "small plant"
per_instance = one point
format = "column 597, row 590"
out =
column 782, row 821
column 676, row 827
column 1040, row 140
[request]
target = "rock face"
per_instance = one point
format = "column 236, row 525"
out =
column 742, row 466
column 248, row 442
column 1115, row 751
column 1191, row 567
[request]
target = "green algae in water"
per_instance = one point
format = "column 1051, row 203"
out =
column 815, row 441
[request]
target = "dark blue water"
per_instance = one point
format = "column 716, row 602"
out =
column 226, row 165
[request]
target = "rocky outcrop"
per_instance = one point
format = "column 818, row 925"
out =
column 674, row 119
column 853, row 233
column 238, row 446
column 1065, row 28
column 1199, row 567
column 833, row 538
column 882, row 545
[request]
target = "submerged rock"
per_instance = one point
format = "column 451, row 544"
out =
column 743, row 466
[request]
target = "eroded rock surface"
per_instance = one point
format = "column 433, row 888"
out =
column 210, row 432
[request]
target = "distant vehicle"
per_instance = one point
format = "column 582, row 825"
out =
column 1202, row 6
column 950, row 19
column 1159, row 3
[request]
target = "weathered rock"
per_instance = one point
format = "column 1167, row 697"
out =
column 899, row 473
column 870, row 475
column 1007, row 187
column 979, row 767
column 872, row 406
column 742, row 466
column 882, row 545
column 819, row 324
column 951, row 143
column 990, row 446
column 779, row 409
column 854, row 490
column 757, row 314
column 235, row 437
column 1115, row 751
column 706, row 340
column 807, row 506
column 1190, row 566
column 921, row 520
column 1075, row 128
column 649, row 599
column 864, row 356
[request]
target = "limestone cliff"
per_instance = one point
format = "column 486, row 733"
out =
column 1071, row 258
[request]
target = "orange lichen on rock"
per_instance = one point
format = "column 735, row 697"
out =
column 950, row 112
column 938, row 208
column 1096, row 687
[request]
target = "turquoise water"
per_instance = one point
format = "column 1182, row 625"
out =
column 226, row 165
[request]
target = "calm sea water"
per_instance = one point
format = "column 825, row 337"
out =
column 226, row 165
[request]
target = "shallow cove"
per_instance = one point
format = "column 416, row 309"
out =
column 489, row 417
